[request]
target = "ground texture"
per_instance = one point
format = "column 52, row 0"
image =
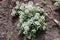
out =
column 8, row 23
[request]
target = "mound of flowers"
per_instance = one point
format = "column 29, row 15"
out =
column 31, row 18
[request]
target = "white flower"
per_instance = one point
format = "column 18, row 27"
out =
column 30, row 21
column 38, row 27
column 26, row 11
column 21, row 17
column 23, row 24
column 37, row 15
column 20, row 20
column 26, row 29
column 29, row 37
column 30, row 8
column 22, row 7
column 17, row 2
column 42, row 10
column 44, row 27
column 37, row 23
column 16, row 7
column 33, row 30
column 30, row 3
column 42, row 17
column 37, row 4
column 13, row 12
column 56, row 4
column 25, row 32
column 21, row 13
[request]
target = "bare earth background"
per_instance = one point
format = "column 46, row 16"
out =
column 8, row 23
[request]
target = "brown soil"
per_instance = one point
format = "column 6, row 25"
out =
column 8, row 23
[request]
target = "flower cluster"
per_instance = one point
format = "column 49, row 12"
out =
column 31, row 18
column 57, row 3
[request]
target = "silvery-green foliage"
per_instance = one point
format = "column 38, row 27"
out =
column 13, row 12
column 57, row 3
column 31, row 18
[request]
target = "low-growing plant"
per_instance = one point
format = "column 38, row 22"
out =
column 57, row 3
column 31, row 18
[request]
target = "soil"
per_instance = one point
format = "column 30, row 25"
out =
column 9, row 24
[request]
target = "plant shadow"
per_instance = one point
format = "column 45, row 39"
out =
column 40, row 35
column 57, row 11
column 14, row 19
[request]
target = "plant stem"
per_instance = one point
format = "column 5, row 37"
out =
column 56, row 21
column 25, row 38
column 8, row 36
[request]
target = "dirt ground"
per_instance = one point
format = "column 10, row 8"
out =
column 8, row 23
